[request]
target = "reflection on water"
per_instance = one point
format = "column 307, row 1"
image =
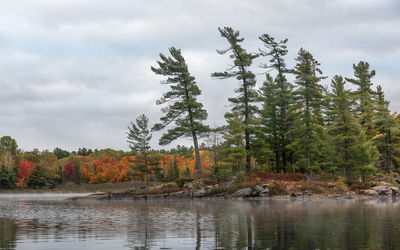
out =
column 48, row 222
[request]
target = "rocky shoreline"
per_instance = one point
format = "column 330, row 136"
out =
column 228, row 190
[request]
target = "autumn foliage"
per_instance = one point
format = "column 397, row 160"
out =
column 23, row 172
column 104, row 166
column 69, row 171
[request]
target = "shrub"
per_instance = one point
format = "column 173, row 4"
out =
column 314, row 188
column 277, row 188
column 280, row 176
column 7, row 178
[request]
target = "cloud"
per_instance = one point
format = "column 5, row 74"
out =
column 74, row 73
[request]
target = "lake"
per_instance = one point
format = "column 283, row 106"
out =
column 52, row 222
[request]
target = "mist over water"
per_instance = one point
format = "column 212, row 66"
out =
column 51, row 221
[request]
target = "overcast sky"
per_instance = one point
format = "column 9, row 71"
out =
column 74, row 73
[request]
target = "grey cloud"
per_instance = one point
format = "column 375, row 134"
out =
column 75, row 73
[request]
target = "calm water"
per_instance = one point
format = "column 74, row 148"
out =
column 51, row 222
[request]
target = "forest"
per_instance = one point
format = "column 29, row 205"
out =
column 297, row 121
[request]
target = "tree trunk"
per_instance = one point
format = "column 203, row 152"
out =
column 147, row 168
column 196, row 152
column 309, row 173
column 388, row 156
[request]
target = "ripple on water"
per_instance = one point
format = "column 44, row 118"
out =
column 50, row 221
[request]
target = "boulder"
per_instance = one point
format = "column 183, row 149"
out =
column 257, row 189
column 251, row 192
column 188, row 185
column 395, row 191
column 199, row 193
column 264, row 192
column 244, row 192
column 369, row 192
column 383, row 190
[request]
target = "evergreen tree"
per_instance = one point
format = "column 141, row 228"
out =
column 139, row 138
column 308, row 101
column 234, row 146
column 7, row 178
column 268, row 138
column 387, row 141
column 282, row 94
column 60, row 153
column 365, row 157
column 243, row 104
column 183, row 107
column 345, row 128
column 364, row 96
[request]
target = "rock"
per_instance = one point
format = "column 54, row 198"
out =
column 395, row 191
column 188, row 185
column 264, row 192
column 307, row 192
column 293, row 195
column 226, row 185
column 199, row 193
column 257, row 189
column 179, row 193
column 171, row 184
column 369, row 192
column 251, row 192
column 396, row 180
column 208, row 188
column 383, row 190
column 244, row 192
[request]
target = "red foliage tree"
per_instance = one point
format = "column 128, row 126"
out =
column 23, row 172
column 69, row 170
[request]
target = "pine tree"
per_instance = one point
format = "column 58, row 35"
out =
column 247, row 96
column 364, row 96
column 183, row 107
column 276, row 52
column 308, row 101
column 387, row 141
column 139, row 137
column 234, row 146
column 345, row 128
column 268, row 138
column 365, row 157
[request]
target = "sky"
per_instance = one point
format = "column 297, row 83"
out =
column 75, row 73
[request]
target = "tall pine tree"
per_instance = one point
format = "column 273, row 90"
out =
column 268, row 137
column 247, row 95
column 387, row 141
column 344, row 127
column 183, row 107
column 308, row 101
column 276, row 52
column 364, row 96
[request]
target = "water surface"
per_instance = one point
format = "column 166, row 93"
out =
column 51, row 222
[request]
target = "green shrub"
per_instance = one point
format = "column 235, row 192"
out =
column 7, row 178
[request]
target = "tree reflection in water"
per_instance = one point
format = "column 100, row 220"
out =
column 8, row 234
column 203, row 224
